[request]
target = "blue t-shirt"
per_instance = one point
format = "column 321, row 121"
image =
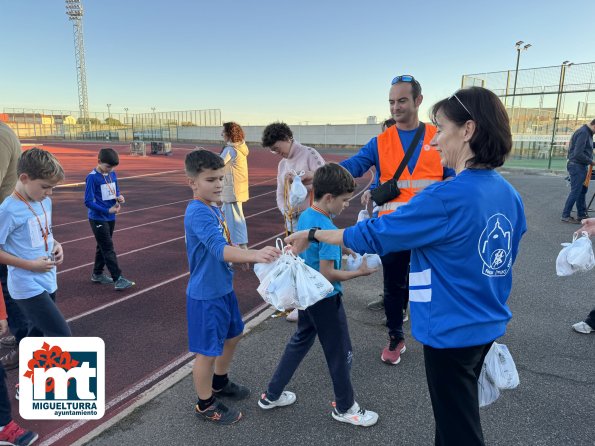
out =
column 101, row 192
column 210, row 276
column 21, row 236
column 320, row 251
column 464, row 236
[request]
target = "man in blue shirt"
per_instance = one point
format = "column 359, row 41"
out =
column 385, row 153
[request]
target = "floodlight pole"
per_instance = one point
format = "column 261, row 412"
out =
column 565, row 64
column 519, row 47
column 74, row 11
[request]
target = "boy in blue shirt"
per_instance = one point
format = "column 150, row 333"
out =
column 27, row 244
column 103, row 200
column 333, row 187
column 215, row 323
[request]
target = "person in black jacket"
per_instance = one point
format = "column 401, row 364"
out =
column 580, row 157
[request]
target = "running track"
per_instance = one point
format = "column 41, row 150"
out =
column 144, row 328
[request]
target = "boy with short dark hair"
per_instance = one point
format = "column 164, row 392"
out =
column 215, row 323
column 27, row 244
column 103, row 200
column 333, row 187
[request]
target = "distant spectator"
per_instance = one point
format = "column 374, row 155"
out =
column 235, row 182
column 580, row 157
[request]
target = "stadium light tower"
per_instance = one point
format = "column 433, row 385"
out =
column 519, row 47
column 74, row 11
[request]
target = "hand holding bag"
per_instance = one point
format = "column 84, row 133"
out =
column 389, row 190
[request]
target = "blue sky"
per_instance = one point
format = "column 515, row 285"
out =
column 261, row 60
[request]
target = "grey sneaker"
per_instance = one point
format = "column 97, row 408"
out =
column 570, row 219
column 285, row 399
column 122, row 283
column 101, row 278
column 356, row 416
column 233, row 391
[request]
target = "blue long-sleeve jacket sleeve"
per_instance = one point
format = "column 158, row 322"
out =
column 361, row 162
column 206, row 229
column 424, row 221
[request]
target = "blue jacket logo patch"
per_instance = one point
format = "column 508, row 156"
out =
column 495, row 246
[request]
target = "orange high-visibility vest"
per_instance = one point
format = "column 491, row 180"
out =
column 428, row 169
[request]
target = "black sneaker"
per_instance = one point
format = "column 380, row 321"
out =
column 218, row 413
column 101, row 278
column 233, row 391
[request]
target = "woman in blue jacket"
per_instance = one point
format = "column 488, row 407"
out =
column 464, row 236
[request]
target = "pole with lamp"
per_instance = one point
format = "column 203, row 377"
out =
column 109, row 121
column 519, row 47
column 565, row 65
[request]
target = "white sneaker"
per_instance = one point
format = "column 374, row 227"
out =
column 357, row 416
column 285, row 399
column 583, row 327
column 293, row 316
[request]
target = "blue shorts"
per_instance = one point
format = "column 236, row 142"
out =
column 211, row 322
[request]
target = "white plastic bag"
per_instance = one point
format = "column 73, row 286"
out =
column 297, row 192
column 353, row 263
column 500, row 367
column 290, row 283
column 488, row 392
column 363, row 215
column 498, row 372
column 310, row 284
column 575, row 256
column 373, row 261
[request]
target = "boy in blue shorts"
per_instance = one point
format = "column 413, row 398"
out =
column 214, row 321
column 27, row 244
column 333, row 187
column 103, row 200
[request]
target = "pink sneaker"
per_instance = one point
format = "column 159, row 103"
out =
column 392, row 352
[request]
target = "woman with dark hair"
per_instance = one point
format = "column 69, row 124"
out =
column 464, row 236
column 235, row 182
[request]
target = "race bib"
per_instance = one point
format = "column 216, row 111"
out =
column 36, row 235
column 108, row 192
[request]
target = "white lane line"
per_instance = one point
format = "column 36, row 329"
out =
column 150, row 207
column 124, row 229
column 122, row 255
column 122, row 213
column 144, row 290
column 152, row 246
column 154, row 174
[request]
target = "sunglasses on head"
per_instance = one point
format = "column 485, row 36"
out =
column 462, row 105
column 403, row 78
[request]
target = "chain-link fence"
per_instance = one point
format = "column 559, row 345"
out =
column 63, row 124
column 546, row 105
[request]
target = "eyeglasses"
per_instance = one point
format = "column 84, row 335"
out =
column 403, row 78
column 462, row 105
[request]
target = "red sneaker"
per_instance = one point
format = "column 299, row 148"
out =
column 15, row 435
column 392, row 352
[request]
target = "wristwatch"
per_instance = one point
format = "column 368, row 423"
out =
column 311, row 233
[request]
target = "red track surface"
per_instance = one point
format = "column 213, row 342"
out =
column 144, row 328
